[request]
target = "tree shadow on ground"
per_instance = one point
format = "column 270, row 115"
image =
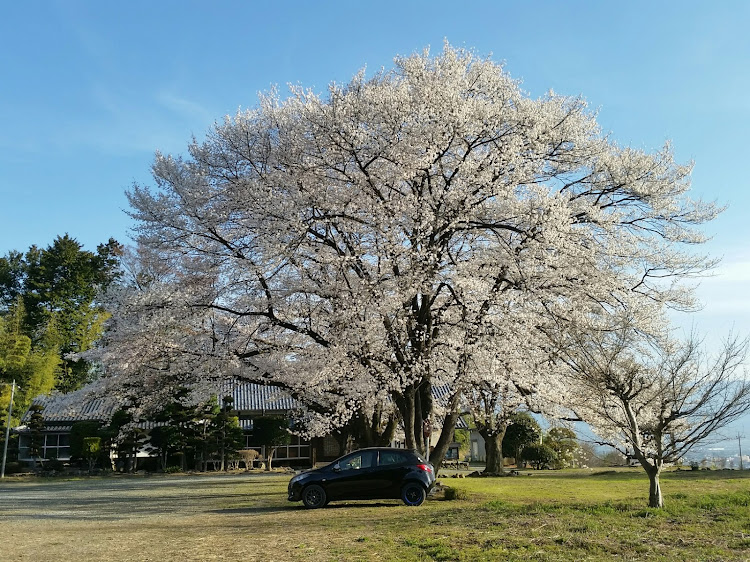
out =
column 298, row 507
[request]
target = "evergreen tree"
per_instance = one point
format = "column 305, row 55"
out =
column 36, row 428
column 272, row 432
column 228, row 432
column 58, row 288
column 12, row 279
column 124, row 438
column 178, row 432
column 522, row 431
column 206, row 443
column 62, row 285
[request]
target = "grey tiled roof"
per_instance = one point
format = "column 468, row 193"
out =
column 73, row 407
column 84, row 405
column 250, row 397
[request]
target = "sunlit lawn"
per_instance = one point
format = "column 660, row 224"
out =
column 567, row 515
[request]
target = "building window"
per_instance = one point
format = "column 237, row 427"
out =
column 54, row 446
column 24, row 445
column 297, row 449
column 57, row 446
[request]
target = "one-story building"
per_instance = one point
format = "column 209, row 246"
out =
column 61, row 411
column 250, row 401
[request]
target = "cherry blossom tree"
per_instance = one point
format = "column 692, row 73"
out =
column 356, row 247
column 515, row 374
column 652, row 399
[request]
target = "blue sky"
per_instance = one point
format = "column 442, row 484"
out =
column 90, row 89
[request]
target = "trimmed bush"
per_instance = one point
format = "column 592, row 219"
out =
column 452, row 493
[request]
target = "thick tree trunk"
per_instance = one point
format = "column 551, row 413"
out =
column 655, row 498
column 425, row 404
column 374, row 431
column 408, row 416
column 493, row 447
column 342, row 438
column 446, row 436
column 363, row 431
column 420, row 439
column 390, row 429
column 653, row 470
column 131, row 461
column 412, row 416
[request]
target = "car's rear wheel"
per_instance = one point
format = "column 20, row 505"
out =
column 413, row 494
column 314, row 496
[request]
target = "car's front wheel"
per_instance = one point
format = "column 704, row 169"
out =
column 413, row 494
column 314, row 496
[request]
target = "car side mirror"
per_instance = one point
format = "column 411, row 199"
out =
column 336, row 467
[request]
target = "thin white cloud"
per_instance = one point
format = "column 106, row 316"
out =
column 728, row 289
column 131, row 122
column 732, row 272
column 182, row 106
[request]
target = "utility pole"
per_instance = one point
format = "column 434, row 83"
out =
column 739, row 442
column 7, row 428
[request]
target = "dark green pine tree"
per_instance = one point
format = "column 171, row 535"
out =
column 12, row 279
column 522, row 431
column 36, row 435
column 272, row 432
column 229, row 436
column 61, row 286
column 125, row 439
column 177, row 430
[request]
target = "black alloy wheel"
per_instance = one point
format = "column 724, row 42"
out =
column 313, row 496
column 413, row 494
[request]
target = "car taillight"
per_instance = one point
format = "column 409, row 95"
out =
column 424, row 467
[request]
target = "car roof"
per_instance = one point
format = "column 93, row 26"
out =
column 395, row 449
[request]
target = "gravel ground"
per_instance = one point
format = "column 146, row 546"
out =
column 174, row 517
column 117, row 498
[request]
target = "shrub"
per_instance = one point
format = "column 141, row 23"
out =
column 91, row 449
column 53, row 466
column 452, row 493
column 81, row 431
column 14, row 467
column 539, row 456
column 249, row 456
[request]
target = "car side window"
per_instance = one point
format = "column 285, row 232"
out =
column 351, row 463
column 391, row 458
column 365, row 459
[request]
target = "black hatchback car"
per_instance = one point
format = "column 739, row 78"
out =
column 367, row 474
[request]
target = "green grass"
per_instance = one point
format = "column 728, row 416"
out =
column 563, row 515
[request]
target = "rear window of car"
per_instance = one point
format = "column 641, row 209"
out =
column 392, row 457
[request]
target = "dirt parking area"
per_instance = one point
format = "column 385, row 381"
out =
column 144, row 518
